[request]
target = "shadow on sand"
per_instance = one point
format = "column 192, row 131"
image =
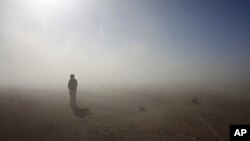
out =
column 81, row 112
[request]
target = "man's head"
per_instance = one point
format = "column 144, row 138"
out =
column 72, row 76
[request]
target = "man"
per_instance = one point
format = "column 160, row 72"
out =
column 72, row 85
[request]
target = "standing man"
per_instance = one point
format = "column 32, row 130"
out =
column 72, row 85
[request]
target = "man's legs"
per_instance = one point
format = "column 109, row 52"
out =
column 72, row 97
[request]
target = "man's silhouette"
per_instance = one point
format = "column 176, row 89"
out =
column 72, row 85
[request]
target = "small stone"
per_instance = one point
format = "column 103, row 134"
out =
column 142, row 109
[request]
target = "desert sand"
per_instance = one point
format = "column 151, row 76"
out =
column 120, row 115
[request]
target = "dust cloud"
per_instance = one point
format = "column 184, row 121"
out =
column 104, row 45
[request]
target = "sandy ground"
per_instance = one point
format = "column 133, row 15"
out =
column 106, row 115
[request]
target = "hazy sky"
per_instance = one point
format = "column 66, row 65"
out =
column 136, row 42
